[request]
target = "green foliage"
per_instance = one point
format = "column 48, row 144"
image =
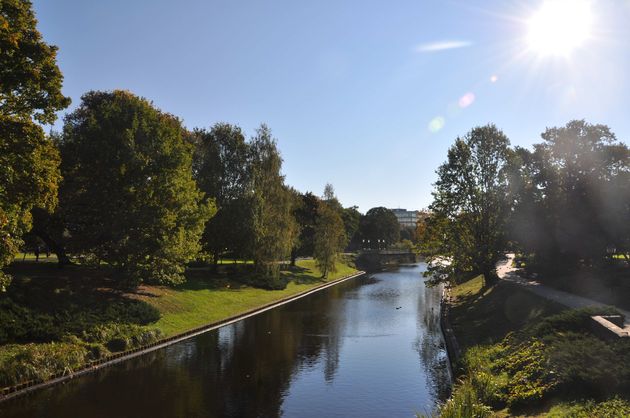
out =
column 120, row 337
column 351, row 219
column 556, row 357
column 274, row 227
column 611, row 408
column 379, row 224
column 29, row 174
column 469, row 209
column 305, row 213
column 531, row 375
column 572, row 197
column 20, row 323
column 128, row 196
column 30, row 81
column 20, row 363
column 330, row 238
column 465, row 403
column 222, row 169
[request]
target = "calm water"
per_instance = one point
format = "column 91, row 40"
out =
column 369, row 347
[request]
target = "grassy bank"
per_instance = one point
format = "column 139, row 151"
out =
column 525, row 356
column 54, row 320
column 204, row 300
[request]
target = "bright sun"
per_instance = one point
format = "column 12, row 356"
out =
column 559, row 27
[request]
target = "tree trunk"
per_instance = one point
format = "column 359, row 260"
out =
column 215, row 260
column 44, row 226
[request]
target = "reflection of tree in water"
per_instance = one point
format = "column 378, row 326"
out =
column 430, row 343
column 245, row 369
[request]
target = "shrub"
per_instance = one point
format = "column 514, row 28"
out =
column 612, row 408
column 20, row 363
column 464, row 403
column 120, row 337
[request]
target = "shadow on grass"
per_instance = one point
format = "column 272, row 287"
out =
column 488, row 315
column 44, row 303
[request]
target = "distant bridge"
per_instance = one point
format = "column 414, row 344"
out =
column 371, row 260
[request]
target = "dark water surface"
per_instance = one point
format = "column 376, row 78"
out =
column 346, row 351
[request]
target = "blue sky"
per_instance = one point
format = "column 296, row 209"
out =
column 366, row 95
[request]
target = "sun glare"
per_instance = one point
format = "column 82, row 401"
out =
column 559, row 27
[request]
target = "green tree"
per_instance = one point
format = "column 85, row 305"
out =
column 379, row 228
column 330, row 235
column 351, row 218
column 29, row 175
column 128, row 196
column 222, row 171
column 305, row 213
column 273, row 225
column 30, row 80
column 30, row 88
column 466, row 231
column 572, row 196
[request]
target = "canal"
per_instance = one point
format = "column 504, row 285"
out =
column 368, row 347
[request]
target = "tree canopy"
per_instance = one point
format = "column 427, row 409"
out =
column 466, row 232
column 128, row 197
column 30, row 89
column 330, row 236
column 571, row 196
column 274, row 228
column 222, row 170
column 379, row 227
column 30, row 80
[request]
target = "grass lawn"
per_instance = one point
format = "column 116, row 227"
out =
column 202, row 301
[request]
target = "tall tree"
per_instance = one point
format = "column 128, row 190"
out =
column 30, row 89
column 222, row 171
column 572, row 196
column 351, row 218
column 128, row 196
column 469, row 210
column 305, row 213
column 29, row 175
column 330, row 235
column 274, row 227
column 379, row 228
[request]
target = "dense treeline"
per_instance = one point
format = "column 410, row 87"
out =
column 126, row 185
column 563, row 206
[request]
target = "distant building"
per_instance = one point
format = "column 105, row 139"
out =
column 406, row 218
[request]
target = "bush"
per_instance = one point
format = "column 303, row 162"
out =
column 612, row 408
column 464, row 403
column 21, row 363
column 121, row 337
column 20, row 324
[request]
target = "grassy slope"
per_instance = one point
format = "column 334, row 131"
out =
column 485, row 316
column 201, row 302
column 54, row 319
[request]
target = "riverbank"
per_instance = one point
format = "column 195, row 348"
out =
column 526, row 356
column 54, row 322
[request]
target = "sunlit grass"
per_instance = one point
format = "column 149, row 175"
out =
column 202, row 303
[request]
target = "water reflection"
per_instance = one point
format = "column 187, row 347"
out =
column 367, row 347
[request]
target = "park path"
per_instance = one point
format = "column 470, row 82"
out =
column 507, row 272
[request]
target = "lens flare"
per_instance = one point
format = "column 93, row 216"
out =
column 466, row 100
column 436, row 124
column 494, row 78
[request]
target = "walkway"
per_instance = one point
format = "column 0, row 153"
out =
column 507, row 271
